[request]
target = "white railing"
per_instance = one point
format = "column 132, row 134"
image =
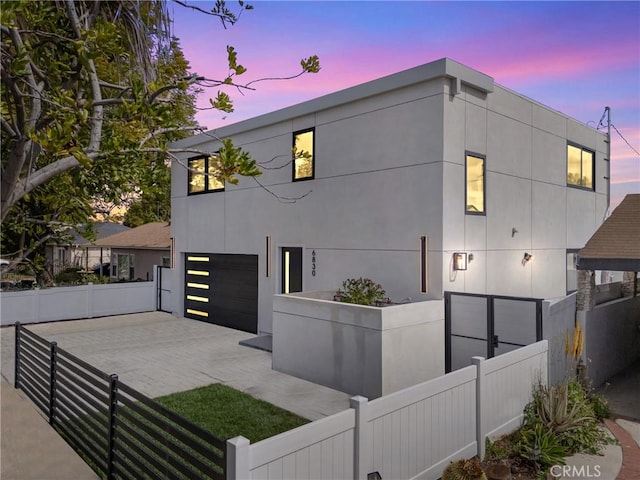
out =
column 412, row 433
column 82, row 301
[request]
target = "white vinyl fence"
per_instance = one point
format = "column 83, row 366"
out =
column 412, row 433
column 82, row 301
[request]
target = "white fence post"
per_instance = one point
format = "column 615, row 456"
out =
column 480, row 420
column 238, row 450
column 360, row 451
column 90, row 293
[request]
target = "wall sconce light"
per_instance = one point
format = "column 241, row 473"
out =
column 526, row 258
column 459, row 261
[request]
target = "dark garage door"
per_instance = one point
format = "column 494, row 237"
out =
column 222, row 289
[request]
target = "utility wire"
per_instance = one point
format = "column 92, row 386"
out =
column 625, row 140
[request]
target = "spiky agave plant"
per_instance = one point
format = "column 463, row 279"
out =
column 468, row 469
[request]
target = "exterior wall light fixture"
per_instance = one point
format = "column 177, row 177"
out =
column 526, row 258
column 459, row 261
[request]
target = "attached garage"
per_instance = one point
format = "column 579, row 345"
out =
column 222, row 289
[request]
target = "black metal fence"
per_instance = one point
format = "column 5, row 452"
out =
column 121, row 433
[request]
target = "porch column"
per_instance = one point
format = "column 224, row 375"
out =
column 629, row 282
column 586, row 295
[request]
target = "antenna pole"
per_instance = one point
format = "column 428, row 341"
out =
column 608, row 112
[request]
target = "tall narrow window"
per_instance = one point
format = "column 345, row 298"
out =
column 197, row 178
column 202, row 174
column 475, row 185
column 580, row 167
column 303, row 155
column 213, row 167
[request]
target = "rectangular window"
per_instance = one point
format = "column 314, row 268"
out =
column 303, row 155
column 197, row 178
column 572, row 271
column 214, row 183
column 580, row 165
column 475, row 185
column 202, row 174
column 125, row 264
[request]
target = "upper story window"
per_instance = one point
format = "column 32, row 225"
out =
column 475, row 184
column 303, row 154
column 202, row 171
column 580, row 166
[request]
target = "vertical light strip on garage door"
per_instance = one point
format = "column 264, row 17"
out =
column 194, row 283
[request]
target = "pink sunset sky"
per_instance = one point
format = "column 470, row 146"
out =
column 575, row 57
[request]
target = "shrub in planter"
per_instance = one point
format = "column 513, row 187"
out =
column 361, row 291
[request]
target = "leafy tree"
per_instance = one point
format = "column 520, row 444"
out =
column 91, row 94
column 154, row 203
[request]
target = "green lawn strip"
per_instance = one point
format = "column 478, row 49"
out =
column 227, row 412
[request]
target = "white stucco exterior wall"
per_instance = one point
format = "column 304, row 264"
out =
column 389, row 168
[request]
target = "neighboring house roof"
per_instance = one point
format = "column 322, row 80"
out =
column 616, row 244
column 103, row 229
column 155, row 235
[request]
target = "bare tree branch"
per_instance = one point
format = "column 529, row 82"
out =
column 162, row 131
column 7, row 128
column 96, row 128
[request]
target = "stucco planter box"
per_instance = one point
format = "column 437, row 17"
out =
column 360, row 350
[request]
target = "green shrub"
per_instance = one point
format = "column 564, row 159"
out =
column 541, row 446
column 500, row 448
column 361, row 291
column 600, row 406
column 73, row 276
column 565, row 411
column 69, row 276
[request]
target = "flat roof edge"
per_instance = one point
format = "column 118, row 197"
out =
column 444, row 67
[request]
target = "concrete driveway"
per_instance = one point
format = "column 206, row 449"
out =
column 159, row 354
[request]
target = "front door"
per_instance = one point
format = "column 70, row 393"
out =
column 291, row 269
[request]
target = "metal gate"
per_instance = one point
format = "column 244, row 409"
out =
column 488, row 326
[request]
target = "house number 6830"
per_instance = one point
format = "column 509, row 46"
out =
column 313, row 263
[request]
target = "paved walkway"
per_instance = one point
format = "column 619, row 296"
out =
column 159, row 354
column 622, row 391
column 29, row 448
column 628, row 434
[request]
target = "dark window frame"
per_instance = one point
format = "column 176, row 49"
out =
column 592, row 188
column 469, row 153
column 313, row 155
column 190, row 174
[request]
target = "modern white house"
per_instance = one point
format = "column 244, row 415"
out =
column 429, row 180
